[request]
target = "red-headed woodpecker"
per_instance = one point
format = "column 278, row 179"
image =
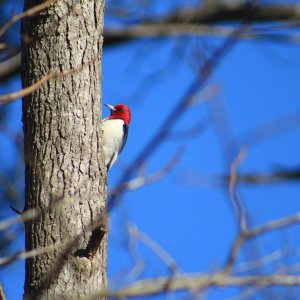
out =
column 115, row 132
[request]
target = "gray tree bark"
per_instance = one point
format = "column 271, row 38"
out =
column 65, row 178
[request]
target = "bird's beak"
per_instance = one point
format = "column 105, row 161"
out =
column 110, row 107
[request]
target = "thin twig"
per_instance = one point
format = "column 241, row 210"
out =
column 142, row 181
column 261, row 261
column 233, row 193
column 4, row 261
column 4, row 99
column 155, row 248
column 2, row 295
column 28, row 13
column 255, row 232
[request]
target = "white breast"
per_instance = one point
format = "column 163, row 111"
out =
column 113, row 134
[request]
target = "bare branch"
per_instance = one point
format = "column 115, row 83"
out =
column 123, row 34
column 197, row 20
column 141, row 181
column 2, row 295
column 159, row 285
column 253, row 233
column 155, row 248
column 273, row 225
column 233, row 193
column 28, row 13
column 4, row 99
column 29, row 214
column 261, row 261
column 236, row 11
column 4, row 261
column 10, row 66
column 266, row 178
column 271, row 129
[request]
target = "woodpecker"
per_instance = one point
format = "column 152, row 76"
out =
column 115, row 132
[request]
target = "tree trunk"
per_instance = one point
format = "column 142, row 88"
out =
column 65, row 177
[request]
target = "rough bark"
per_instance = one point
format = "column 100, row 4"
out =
column 65, row 178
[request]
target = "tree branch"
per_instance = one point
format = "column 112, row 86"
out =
column 181, row 21
column 2, row 295
column 150, row 287
column 4, row 99
column 195, row 21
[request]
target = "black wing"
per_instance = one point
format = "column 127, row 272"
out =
column 125, row 130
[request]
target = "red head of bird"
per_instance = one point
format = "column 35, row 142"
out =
column 120, row 111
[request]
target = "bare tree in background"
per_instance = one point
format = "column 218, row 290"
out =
column 65, row 211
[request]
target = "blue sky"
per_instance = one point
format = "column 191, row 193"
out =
column 195, row 224
column 257, row 82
